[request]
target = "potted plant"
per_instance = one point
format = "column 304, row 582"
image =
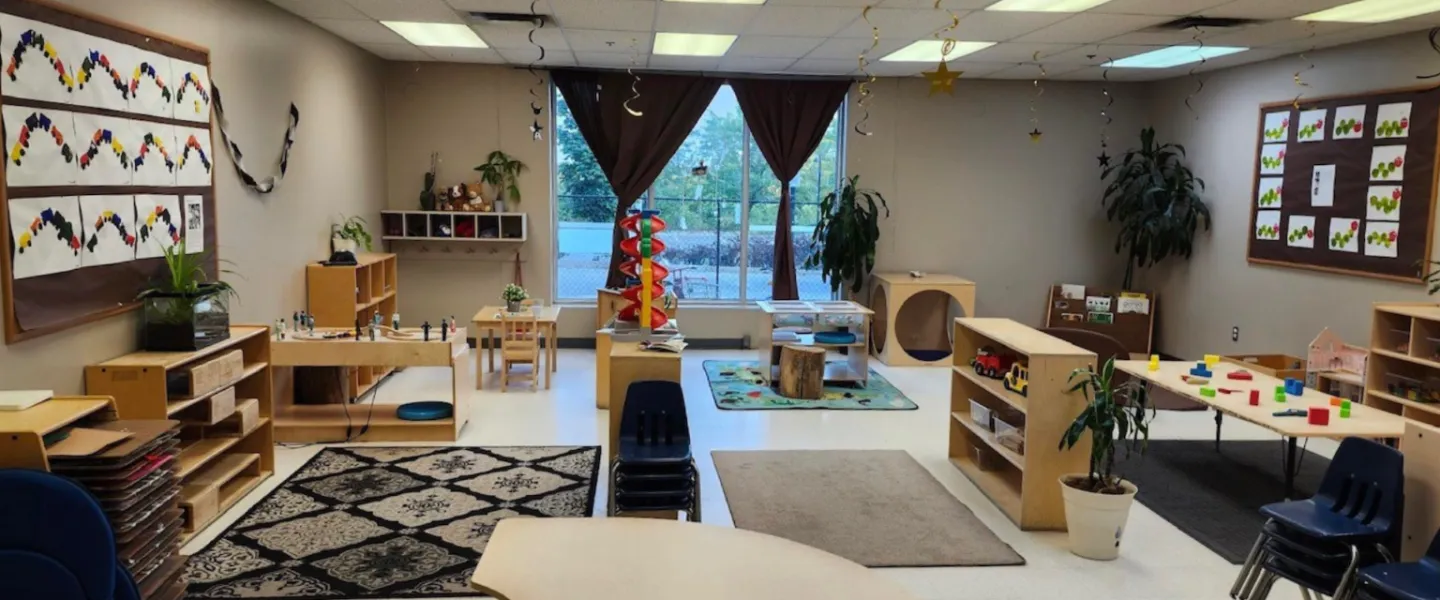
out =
column 843, row 245
column 186, row 311
column 502, row 173
column 1097, row 503
column 349, row 234
column 1156, row 200
column 513, row 296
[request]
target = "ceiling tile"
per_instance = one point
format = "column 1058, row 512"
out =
column 401, row 52
column 1012, row 52
column 773, row 47
column 930, row 4
column 428, row 11
column 685, row 63
column 1032, row 72
column 1242, row 58
column 499, row 6
column 691, row 17
column 1098, row 74
column 607, row 60
column 752, row 64
column 561, row 58
column 615, row 15
column 976, row 70
column 1160, row 38
column 1088, row 28
column 897, row 24
column 1270, row 9
column 801, row 21
column 1277, row 32
column 899, row 69
column 1169, row 8
column 850, row 49
column 986, row 26
column 518, row 36
column 1364, row 32
column 1102, row 52
column 366, row 32
column 465, row 55
column 822, row 66
column 856, row 4
column 599, row 40
column 320, row 9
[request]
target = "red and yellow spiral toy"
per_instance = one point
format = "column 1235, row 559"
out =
column 646, row 275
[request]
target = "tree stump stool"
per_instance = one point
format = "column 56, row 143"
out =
column 802, row 372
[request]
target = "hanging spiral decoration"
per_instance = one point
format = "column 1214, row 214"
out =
column 948, row 45
column 1304, row 57
column 1434, row 45
column 863, row 89
column 635, row 81
column 1034, row 100
column 536, row 23
column 1199, row 81
column 1104, row 157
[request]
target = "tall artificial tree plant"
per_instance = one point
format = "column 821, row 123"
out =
column 1156, row 200
column 846, row 234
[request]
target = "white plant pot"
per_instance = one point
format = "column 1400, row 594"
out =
column 343, row 245
column 1096, row 521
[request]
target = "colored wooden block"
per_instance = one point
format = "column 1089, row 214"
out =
column 1207, row 392
column 1344, row 413
column 1336, row 401
column 1294, row 387
column 1254, row 397
column 1201, row 371
column 1319, row 415
column 1240, row 375
column 1280, row 395
column 1211, row 359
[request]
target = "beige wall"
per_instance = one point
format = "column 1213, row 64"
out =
column 263, row 58
column 1277, row 309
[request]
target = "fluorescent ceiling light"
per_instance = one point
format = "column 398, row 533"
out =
column 448, row 35
column 928, row 51
column 1065, row 6
column 692, row 44
column 1374, row 11
column 720, row 1
column 1173, row 56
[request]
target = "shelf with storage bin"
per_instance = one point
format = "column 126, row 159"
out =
column 832, row 316
column 143, row 385
column 1022, row 480
column 453, row 226
column 1403, row 373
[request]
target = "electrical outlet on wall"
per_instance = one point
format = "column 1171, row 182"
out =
column 1235, row 333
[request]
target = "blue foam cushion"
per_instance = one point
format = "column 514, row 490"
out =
column 834, row 337
column 424, row 411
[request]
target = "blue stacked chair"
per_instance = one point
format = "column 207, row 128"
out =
column 55, row 542
column 1321, row 543
column 1403, row 581
column 653, row 469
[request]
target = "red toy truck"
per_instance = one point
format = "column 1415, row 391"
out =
column 992, row 364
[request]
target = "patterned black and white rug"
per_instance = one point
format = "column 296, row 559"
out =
column 370, row 522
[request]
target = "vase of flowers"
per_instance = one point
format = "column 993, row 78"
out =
column 513, row 296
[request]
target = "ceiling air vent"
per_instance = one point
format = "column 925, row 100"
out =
column 499, row 18
column 1204, row 23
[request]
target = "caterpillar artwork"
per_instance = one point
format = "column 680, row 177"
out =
column 147, row 69
column 114, row 220
column 39, row 121
column 64, row 231
column 152, row 141
column 192, row 80
column 95, row 60
column 104, row 137
column 33, row 39
column 194, row 144
column 161, row 214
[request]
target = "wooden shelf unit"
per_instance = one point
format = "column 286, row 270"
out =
column 1403, row 373
column 138, row 383
column 453, row 226
column 338, row 296
column 1025, row 486
column 856, row 365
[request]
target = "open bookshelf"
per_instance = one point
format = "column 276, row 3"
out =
column 452, row 226
column 338, row 296
column 209, row 453
column 1024, row 482
column 1403, row 373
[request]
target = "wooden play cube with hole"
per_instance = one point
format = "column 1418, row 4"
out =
column 912, row 317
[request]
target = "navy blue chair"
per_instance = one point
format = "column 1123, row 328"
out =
column 1320, row 543
column 55, row 542
column 1403, row 581
column 653, row 469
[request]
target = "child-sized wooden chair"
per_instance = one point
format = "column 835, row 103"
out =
column 519, row 344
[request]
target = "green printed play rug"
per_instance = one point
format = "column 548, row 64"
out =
column 736, row 385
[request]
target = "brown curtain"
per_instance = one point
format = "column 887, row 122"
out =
column 633, row 150
column 787, row 119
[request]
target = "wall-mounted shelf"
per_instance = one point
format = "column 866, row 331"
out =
column 450, row 226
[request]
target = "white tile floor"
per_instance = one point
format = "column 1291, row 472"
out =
column 1158, row 562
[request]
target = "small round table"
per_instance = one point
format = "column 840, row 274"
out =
column 647, row 559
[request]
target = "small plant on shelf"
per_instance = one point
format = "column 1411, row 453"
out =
column 350, row 232
column 185, row 311
column 846, row 234
column 502, row 173
column 513, row 295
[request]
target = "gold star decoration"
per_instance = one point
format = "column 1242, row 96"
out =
column 1035, row 135
column 942, row 79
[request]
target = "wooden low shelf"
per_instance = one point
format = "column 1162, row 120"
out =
column 1405, row 352
column 340, row 296
column 856, row 366
column 1025, row 486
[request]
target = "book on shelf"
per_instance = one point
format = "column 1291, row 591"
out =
column 675, row 344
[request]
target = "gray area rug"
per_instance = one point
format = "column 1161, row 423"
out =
column 876, row 508
column 1215, row 497
column 372, row 522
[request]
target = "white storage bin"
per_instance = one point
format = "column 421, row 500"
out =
column 980, row 415
column 1009, row 436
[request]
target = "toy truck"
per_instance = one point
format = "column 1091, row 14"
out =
column 992, row 364
column 1018, row 379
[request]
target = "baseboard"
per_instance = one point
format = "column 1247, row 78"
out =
column 588, row 343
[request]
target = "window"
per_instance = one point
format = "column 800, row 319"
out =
column 721, row 218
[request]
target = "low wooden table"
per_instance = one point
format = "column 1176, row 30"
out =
column 645, row 559
column 488, row 321
column 1364, row 421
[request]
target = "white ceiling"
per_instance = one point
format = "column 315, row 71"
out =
column 825, row 37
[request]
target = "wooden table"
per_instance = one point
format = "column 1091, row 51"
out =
column 1364, row 421
column 488, row 320
column 645, row 559
column 378, row 422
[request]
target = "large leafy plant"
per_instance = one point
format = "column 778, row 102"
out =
column 1114, row 416
column 186, row 283
column 1156, row 200
column 844, row 241
column 502, row 172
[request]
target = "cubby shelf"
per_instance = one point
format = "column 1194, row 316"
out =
column 452, row 226
column 1404, row 365
column 338, row 296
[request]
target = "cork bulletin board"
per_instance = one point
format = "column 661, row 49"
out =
column 107, row 162
column 1347, row 184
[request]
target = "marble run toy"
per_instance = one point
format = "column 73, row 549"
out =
column 646, row 276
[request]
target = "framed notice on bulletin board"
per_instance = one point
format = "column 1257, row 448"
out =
column 1347, row 184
